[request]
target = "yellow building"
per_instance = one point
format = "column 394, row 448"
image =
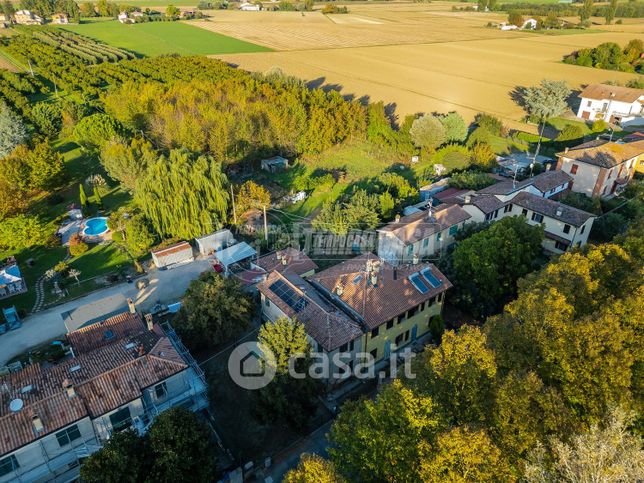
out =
column 393, row 304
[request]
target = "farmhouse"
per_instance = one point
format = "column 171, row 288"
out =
column 121, row 375
column 421, row 234
column 250, row 7
column 25, row 17
column 60, row 19
column 11, row 281
column 619, row 105
column 173, row 255
column 601, row 168
column 4, row 21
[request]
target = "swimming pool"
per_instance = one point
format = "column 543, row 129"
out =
column 95, row 226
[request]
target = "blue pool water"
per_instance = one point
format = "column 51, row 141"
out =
column 95, row 226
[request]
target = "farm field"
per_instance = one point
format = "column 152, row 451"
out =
column 158, row 38
column 419, row 58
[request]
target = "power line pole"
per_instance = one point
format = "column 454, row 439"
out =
column 265, row 225
column 232, row 197
column 31, row 69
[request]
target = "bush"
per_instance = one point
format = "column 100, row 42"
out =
column 452, row 156
column 61, row 268
column 437, row 327
column 599, row 125
column 472, row 180
column 77, row 246
column 570, row 132
column 491, row 123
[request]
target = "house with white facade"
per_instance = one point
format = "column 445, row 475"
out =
column 250, row 7
column 26, row 17
column 601, row 168
column 615, row 104
column 420, row 235
column 122, row 374
column 565, row 227
column 11, row 280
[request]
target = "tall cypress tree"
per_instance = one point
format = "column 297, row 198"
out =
column 82, row 195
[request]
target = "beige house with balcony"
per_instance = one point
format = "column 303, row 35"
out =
column 123, row 373
column 601, row 168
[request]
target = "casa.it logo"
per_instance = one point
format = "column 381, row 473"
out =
column 251, row 366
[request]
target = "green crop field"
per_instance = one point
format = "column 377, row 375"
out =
column 157, row 38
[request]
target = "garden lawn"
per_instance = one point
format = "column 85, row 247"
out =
column 158, row 38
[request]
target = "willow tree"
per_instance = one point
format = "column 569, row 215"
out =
column 184, row 195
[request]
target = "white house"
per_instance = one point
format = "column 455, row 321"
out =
column 173, row 255
column 601, row 168
column 565, row 226
column 614, row 104
column 122, row 374
column 250, row 7
column 529, row 24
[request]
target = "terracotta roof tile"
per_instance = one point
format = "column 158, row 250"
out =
column 601, row 92
column 105, row 332
column 605, row 154
column 417, row 226
column 553, row 209
column 323, row 321
column 392, row 295
column 103, row 379
column 296, row 261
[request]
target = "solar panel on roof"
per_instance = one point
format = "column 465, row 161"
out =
column 288, row 295
column 431, row 279
column 418, row 283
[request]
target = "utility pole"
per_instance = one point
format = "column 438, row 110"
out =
column 31, row 69
column 232, row 197
column 265, row 225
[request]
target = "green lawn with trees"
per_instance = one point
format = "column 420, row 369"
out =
column 158, row 38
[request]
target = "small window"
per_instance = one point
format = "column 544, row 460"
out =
column 583, row 229
column 453, row 230
column 121, row 419
column 390, row 324
column 561, row 246
column 161, row 390
column 7, row 465
column 425, row 242
column 68, row 435
column 438, row 236
column 488, row 217
column 422, row 306
column 351, row 346
column 267, row 303
column 343, row 348
column 496, row 214
column 406, row 335
column 507, row 208
column 537, row 217
column 399, row 339
column 375, row 332
column 412, row 312
column 589, row 104
column 402, row 317
column 573, row 169
column 524, row 212
column 410, row 249
column 374, row 354
column 566, row 228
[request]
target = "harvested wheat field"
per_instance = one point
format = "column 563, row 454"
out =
column 418, row 58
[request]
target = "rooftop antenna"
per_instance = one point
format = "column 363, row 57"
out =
column 430, row 207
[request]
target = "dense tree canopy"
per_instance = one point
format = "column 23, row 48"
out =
column 125, row 162
column 486, row 266
column 214, row 310
column 184, row 195
column 12, row 130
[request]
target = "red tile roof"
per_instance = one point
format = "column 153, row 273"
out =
column 178, row 247
column 105, row 332
column 412, row 228
column 392, row 295
column 103, row 380
column 296, row 261
column 607, row 92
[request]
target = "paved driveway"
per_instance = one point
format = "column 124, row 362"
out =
column 165, row 285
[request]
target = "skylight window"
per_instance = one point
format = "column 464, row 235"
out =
column 431, row 279
column 418, row 283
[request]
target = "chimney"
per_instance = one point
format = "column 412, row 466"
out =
column 284, row 260
column 339, row 289
column 140, row 350
column 374, row 279
column 149, row 321
column 415, row 260
column 559, row 211
column 69, row 387
column 130, row 306
column 397, row 218
column 37, row 423
column 566, row 149
column 468, row 199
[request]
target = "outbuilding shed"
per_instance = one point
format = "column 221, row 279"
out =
column 209, row 244
column 173, row 255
